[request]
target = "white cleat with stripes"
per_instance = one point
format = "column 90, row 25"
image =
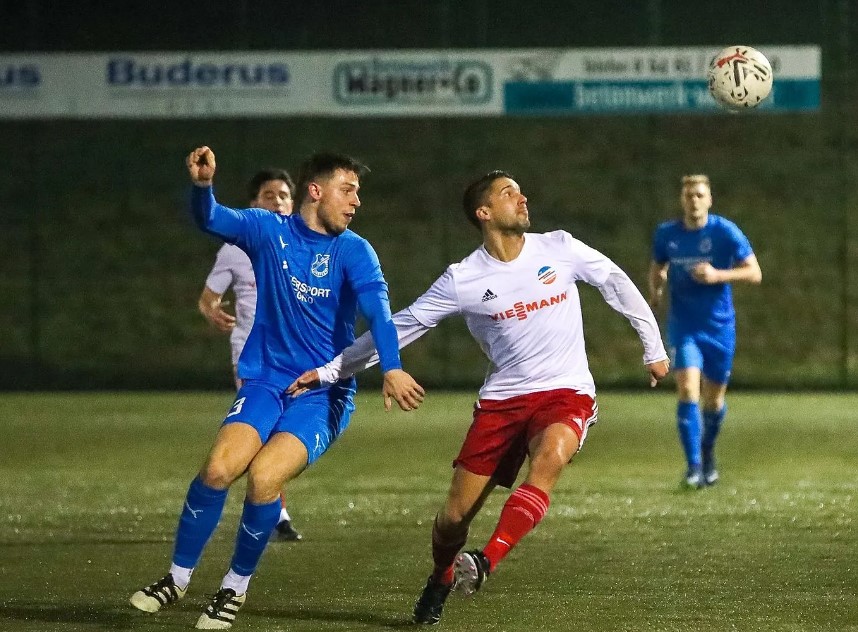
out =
column 220, row 613
column 163, row 592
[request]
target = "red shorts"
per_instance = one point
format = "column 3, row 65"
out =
column 497, row 441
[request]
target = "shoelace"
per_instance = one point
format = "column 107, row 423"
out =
column 219, row 600
column 163, row 588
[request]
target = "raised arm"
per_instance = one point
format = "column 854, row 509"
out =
column 231, row 225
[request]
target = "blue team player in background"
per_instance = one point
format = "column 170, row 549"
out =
column 701, row 255
column 312, row 276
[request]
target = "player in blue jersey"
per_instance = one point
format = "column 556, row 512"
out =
column 312, row 276
column 700, row 255
column 272, row 190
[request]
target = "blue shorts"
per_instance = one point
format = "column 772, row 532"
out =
column 317, row 417
column 713, row 356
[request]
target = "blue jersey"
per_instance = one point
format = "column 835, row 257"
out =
column 696, row 307
column 309, row 289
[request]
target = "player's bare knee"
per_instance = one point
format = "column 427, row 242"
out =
column 688, row 393
column 218, row 474
column 455, row 517
column 263, row 485
column 713, row 402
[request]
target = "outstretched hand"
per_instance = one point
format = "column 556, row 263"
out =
column 400, row 386
column 308, row 380
column 201, row 166
column 658, row 371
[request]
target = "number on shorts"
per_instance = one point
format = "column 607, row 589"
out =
column 236, row 407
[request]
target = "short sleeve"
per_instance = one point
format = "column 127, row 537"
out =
column 741, row 246
column 659, row 246
column 222, row 272
column 438, row 302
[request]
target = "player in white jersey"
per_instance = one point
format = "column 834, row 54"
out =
column 518, row 296
column 272, row 190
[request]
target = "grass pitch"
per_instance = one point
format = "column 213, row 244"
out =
column 91, row 486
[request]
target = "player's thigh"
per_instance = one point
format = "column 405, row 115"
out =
column 496, row 443
column 686, row 361
column 280, row 460
column 465, row 498
column 559, row 423
column 555, row 444
column 684, row 351
column 687, row 384
column 317, row 418
column 234, row 448
column 718, row 359
column 258, row 405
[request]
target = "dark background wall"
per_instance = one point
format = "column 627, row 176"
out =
column 100, row 266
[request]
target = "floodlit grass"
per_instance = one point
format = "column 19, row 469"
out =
column 90, row 487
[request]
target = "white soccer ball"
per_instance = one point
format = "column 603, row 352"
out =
column 740, row 77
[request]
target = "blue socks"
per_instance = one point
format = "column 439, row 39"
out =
column 200, row 516
column 688, row 424
column 198, row 520
column 257, row 523
column 712, row 420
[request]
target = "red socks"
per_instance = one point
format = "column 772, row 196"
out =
column 522, row 512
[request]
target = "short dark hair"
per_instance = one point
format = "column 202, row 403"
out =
column 267, row 175
column 325, row 164
column 475, row 193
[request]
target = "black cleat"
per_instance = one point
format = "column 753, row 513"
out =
column 285, row 532
column 470, row 570
column 427, row 610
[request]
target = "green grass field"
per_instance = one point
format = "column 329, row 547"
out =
column 90, row 487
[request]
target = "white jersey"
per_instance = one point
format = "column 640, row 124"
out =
column 525, row 314
column 232, row 267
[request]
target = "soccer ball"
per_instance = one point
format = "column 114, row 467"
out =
column 740, row 77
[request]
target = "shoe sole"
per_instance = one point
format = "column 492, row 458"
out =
column 466, row 575
column 144, row 602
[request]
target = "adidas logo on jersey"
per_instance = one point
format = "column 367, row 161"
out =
column 489, row 295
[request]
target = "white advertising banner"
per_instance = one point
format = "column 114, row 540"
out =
column 384, row 83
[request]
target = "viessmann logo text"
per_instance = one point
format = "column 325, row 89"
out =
column 192, row 72
column 401, row 81
column 520, row 310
